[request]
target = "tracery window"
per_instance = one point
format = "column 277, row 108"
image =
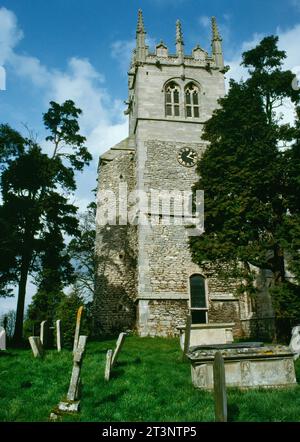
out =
column 172, row 93
column 192, row 101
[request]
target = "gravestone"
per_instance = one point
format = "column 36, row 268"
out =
column 2, row 338
column 44, row 333
column 58, row 335
column 108, row 365
column 77, row 329
column 295, row 342
column 119, row 345
column 187, row 335
column 36, row 346
column 220, row 389
column 72, row 403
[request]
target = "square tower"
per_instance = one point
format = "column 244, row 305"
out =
column 146, row 279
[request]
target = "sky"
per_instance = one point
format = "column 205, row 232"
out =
column 80, row 50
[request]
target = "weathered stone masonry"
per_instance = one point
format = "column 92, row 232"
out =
column 143, row 271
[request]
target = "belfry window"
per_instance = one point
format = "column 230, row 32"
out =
column 198, row 305
column 192, row 101
column 172, row 93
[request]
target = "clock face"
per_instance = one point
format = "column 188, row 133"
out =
column 187, row 157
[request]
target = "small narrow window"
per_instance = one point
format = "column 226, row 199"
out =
column 172, row 94
column 192, row 101
column 198, row 299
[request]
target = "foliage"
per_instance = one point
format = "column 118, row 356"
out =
column 81, row 251
column 36, row 212
column 251, row 185
column 66, row 312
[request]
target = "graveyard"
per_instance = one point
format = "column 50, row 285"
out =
column 148, row 382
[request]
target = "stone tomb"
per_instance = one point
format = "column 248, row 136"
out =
column 295, row 342
column 246, row 366
column 207, row 334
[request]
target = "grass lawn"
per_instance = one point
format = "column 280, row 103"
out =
column 149, row 383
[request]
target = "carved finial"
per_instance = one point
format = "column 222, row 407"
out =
column 215, row 31
column 179, row 35
column 140, row 25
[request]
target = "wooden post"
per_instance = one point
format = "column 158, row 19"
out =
column 108, row 365
column 58, row 335
column 119, row 345
column 77, row 330
column 187, row 336
column 220, row 388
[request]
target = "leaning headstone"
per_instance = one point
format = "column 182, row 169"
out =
column 5, row 321
column 73, row 402
column 108, row 365
column 119, row 345
column 36, row 346
column 58, row 335
column 220, row 388
column 77, row 329
column 187, row 335
column 44, row 333
column 2, row 338
column 295, row 342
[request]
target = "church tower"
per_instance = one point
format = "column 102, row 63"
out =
column 146, row 279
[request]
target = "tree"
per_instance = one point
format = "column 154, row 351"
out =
column 81, row 250
column 55, row 272
column 34, row 205
column 251, row 185
column 66, row 312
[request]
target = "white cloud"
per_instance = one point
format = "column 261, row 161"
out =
column 121, row 50
column 204, row 21
column 296, row 3
column 10, row 34
column 101, row 122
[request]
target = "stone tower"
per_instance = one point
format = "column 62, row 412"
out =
column 145, row 276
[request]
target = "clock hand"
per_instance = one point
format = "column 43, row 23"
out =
column 191, row 157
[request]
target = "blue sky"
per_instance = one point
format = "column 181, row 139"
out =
column 80, row 49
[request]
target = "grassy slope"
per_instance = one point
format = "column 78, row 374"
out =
column 149, row 383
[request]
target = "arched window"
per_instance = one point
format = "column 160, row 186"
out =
column 198, row 299
column 172, row 92
column 192, row 101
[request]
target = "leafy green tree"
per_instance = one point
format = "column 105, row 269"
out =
column 34, row 202
column 66, row 312
column 81, row 250
column 55, row 272
column 251, row 184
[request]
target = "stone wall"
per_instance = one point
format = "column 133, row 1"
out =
column 114, row 308
column 163, row 317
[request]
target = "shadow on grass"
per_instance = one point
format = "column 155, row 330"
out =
column 116, row 373
column 111, row 397
column 233, row 412
column 135, row 361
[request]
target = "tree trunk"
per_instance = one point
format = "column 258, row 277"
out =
column 279, row 267
column 18, row 333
